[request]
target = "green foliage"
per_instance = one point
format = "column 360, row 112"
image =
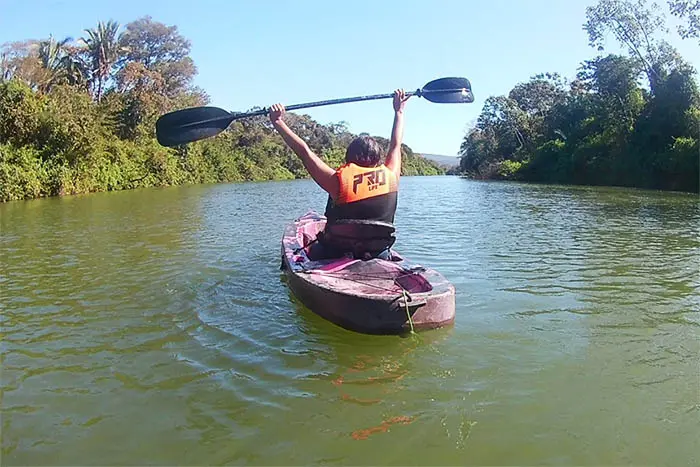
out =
column 550, row 163
column 20, row 111
column 63, row 142
column 70, row 128
column 682, row 165
column 417, row 165
column 604, row 128
column 23, row 174
column 508, row 170
column 80, row 118
column 102, row 50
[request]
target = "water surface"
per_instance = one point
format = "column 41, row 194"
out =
column 154, row 327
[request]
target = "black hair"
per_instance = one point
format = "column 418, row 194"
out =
column 364, row 151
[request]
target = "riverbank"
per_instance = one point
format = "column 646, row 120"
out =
column 62, row 143
column 78, row 116
column 504, row 173
column 623, row 119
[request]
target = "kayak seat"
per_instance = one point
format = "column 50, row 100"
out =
column 363, row 239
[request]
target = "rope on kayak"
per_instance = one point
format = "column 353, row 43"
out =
column 406, row 297
column 296, row 251
column 405, row 302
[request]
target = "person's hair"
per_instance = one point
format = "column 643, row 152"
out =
column 364, row 151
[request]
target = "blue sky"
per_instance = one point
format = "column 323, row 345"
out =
column 254, row 53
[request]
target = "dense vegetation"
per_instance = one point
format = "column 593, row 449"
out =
column 79, row 116
column 629, row 120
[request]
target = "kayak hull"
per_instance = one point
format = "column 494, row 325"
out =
column 374, row 296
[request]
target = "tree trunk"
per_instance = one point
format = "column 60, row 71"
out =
column 99, row 89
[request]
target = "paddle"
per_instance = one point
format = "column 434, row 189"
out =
column 187, row 125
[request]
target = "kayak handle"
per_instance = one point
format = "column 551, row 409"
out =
column 412, row 302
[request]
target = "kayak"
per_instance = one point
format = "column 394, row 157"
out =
column 368, row 294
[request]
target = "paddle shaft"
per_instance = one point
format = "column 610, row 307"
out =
column 321, row 103
column 239, row 115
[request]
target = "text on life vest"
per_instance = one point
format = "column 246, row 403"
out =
column 374, row 179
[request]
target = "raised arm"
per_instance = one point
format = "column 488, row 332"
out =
column 319, row 170
column 393, row 156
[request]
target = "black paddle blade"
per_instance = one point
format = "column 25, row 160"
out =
column 448, row 91
column 187, row 125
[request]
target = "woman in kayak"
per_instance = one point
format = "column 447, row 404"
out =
column 364, row 187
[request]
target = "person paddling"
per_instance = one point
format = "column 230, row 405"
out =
column 363, row 188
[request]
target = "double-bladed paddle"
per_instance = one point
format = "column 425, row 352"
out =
column 187, row 125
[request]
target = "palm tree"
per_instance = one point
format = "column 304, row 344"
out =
column 5, row 67
column 61, row 63
column 50, row 53
column 103, row 51
column 74, row 70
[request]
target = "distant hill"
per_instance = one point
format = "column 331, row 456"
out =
column 446, row 161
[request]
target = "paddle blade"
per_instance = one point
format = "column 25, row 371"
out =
column 448, row 91
column 187, row 125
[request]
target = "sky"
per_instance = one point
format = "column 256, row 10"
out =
column 255, row 53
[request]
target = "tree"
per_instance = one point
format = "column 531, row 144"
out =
column 690, row 10
column 478, row 147
column 536, row 98
column 61, row 62
column 539, row 94
column 51, row 52
column 502, row 116
column 617, row 97
column 142, row 96
column 56, row 138
column 159, row 48
column 103, row 50
column 633, row 25
column 74, row 70
column 20, row 60
column 671, row 113
column 605, row 128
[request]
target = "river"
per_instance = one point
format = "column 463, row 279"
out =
column 154, row 327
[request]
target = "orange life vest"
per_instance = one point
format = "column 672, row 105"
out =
column 368, row 193
column 358, row 183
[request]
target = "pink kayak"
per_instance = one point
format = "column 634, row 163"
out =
column 376, row 296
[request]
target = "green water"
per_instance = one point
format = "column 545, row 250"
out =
column 153, row 327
